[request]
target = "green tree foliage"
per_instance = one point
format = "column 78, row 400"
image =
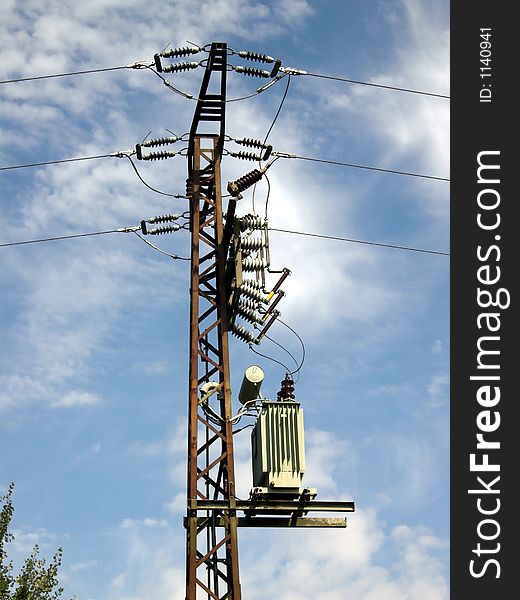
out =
column 36, row 580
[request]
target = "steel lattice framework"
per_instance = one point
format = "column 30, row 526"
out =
column 212, row 551
column 211, row 522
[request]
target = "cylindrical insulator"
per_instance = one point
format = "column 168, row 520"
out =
column 163, row 218
column 159, row 142
column 247, row 156
column 253, row 264
column 158, row 155
column 250, row 142
column 287, row 390
column 250, row 71
column 248, row 303
column 163, row 230
column 176, row 52
column 255, row 56
column 251, row 243
column 243, row 334
column 250, row 222
column 248, row 288
column 242, row 183
column 249, row 315
column 189, row 188
column 180, row 67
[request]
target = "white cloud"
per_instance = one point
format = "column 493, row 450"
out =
column 81, row 566
column 146, row 522
column 76, row 398
column 437, row 347
column 24, row 541
column 438, row 390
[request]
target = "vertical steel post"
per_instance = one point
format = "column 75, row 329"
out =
column 211, row 541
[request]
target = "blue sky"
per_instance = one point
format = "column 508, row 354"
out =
column 93, row 355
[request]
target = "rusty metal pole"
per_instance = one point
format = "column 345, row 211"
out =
column 212, row 545
column 211, row 540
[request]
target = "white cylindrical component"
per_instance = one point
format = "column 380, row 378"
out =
column 254, row 264
column 250, row 388
column 253, row 289
column 251, row 243
column 250, row 222
column 243, row 334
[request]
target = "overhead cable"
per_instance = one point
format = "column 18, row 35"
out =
column 302, row 344
column 136, row 65
column 69, row 237
column 356, row 166
column 149, row 186
column 315, row 235
column 275, row 154
column 343, row 239
column 55, row 162
column 287, row 370
column 292, row 71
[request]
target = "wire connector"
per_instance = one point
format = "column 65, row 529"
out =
column 283, row 155
column 140, row 65
column 293, row 71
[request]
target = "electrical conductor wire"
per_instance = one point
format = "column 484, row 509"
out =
column 191, row 97
column 343, row 239
column 65, row 237
column 356, row 166
column 63, row 74
column 284, row 349
column 378, row 85
column 265, row 140
column 173, row 256
column 317, row 235
column 149, row 186
column 301, row 342
column 54, row 162
column 270, row 358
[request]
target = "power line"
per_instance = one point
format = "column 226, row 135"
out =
column 302, row 344
column 317, row 235
column 287, row 370
column 149, row 186
column 282, row 101
column 169, row 85
column 173, row 256
column 69, row 237
column 356, row 166
column 55, row 162
column 277, row 154
column 132, row 66
column 343, row 239
column 378, row 85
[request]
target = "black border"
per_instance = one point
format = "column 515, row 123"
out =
column 479, row 126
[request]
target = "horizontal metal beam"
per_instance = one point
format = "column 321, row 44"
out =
column 280, row 506
column 278, row 522
column 290, row 522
